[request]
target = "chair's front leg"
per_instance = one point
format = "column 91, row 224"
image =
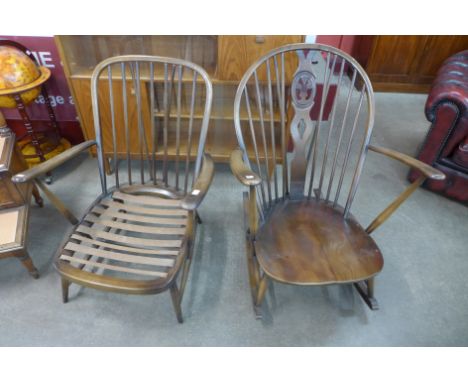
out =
column 253, row 215
column 249, row 248
column 65, row 288
column 175, row 297
column 258, row 284
column 262, row 287
column 188, row 248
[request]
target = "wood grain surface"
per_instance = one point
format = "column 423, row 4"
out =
column 309, row 243
column 237, row 53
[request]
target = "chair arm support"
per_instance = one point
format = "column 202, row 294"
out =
column 52, row 163
column 244, row 174
column 428, row 171
column 193, row 199
column 392, row 207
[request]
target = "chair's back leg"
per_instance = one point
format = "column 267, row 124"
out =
column 366, row 291
column 37, row 196
column 175, row 296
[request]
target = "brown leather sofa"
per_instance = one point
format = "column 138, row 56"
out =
column 446, row 144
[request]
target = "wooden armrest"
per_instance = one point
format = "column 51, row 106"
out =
column 428, row 171
column 52, row 163
column 193, row 199
column 244, row 174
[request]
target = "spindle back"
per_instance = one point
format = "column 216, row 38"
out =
column 303, row 116
column 151, row 118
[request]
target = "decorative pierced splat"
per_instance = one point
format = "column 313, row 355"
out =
column 324, row 111
column 303, row 90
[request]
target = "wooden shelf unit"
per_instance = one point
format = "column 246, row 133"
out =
column 225, row 58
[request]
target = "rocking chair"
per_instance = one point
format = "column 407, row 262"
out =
column 151, row 118
column 300, row 229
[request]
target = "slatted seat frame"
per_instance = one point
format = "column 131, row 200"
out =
column 326, row 116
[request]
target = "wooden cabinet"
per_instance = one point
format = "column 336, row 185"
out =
column 225, row 58
column 237, row 53
column 407, row 63
column 14, row 201
column 11, row 162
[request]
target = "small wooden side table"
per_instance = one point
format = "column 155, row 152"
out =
column 14, row 201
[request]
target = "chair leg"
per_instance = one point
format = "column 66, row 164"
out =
column 108, row 166
column 258, row 286
column 65, row 287
column 261, row 292
column 366, row 291
column 37, row 196
column 28, row 264
column 370, row 287
column 175, row 296
column 185, row 274
column 254, row 277
column 48, row 178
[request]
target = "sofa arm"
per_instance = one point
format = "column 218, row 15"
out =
column 449, row 86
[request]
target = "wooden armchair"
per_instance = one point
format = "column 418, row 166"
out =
column 137, row 237
column 297, row 209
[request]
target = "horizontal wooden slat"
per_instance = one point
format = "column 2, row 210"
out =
column 144, row 210
column 119, row 256
column 113, row 267
column 136, row 241
column 143, row 199
column 135, row 227
column 103, row 244
column 113, row 212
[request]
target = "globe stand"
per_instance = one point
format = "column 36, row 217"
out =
column 34, row 137
column 51, row 137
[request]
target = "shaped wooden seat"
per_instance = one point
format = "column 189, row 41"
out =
column 309, row 243
column 138, row 236
column 301, row 154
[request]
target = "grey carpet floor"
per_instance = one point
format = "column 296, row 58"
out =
column 422, row 289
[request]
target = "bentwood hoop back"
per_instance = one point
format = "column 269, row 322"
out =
column 137, row 237
column 327, row 84
column 304, row 132
column 158, row 90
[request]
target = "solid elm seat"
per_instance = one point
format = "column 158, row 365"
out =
column 309, row 243
column 136, row 237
